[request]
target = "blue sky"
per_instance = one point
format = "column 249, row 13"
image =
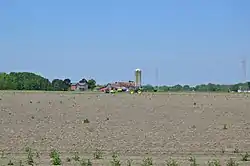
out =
column 190, row 42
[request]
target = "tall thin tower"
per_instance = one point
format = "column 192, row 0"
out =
column 244, row 68
column 157, row 78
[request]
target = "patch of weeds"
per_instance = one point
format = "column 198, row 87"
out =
column 30, row 160
column 231, row 162
column 85, row 163
column 147, row 161
column 245, row 157
column 172, row 162
column 55, row 157
column 98, row 154
column 76, row 156
column 10, row 163
column 37, row 155
column 20, row 163
column 214, row 163
column 129, row 162
column 86, row 121
column 115, row 160
column 193, row 161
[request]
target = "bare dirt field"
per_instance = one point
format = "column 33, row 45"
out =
column 207, row 126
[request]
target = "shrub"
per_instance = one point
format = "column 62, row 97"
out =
column 147, row 161
column 231, row 162
column 98, row 154
column 76, row 156
column 214, row 163
column 55, row 157
column 245, row 157
column 193, row 161
column 115, row 160
column 172, row 162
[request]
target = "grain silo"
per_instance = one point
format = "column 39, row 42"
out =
column 138, row 77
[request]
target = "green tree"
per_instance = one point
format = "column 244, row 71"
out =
column 67, row 83
column 23, row 81
column 148, row 88
column 91, row 84
column 176, row 88
column 59, row 85
column 186, row 88
column 83, row 80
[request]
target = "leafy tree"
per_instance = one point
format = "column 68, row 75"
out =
column 176, row 88
column 148, row 88
column 23, row 81
column 91, row 84
column 67, row 83
column 83, row 80
column 58, row 85
column 186, row 88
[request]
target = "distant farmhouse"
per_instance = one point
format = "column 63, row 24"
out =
column 124, row 86
column 79, row 86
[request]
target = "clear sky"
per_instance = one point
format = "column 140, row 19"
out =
column 189, row 41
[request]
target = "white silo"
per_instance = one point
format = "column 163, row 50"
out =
column 138, row 77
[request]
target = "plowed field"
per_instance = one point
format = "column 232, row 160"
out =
column 179, row 125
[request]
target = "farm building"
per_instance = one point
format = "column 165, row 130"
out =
column 119, row 85
column 123, row 84
column 79, row 86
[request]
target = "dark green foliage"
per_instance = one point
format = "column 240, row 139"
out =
column 199, row 88
column 31, row 81
column 23, row 81
column 91, row 84
column 59, row 85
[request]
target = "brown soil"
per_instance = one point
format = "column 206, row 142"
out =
column 160, row 126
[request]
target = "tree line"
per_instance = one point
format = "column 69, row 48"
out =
column 200, row 88
column 32, row 81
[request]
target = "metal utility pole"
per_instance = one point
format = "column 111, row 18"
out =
column 157, row 78
column 244, row 68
